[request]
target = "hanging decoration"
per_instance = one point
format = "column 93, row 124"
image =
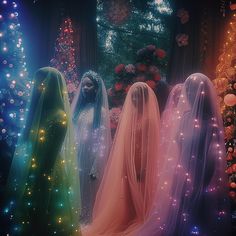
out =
column 117, row 11
column 182, row 39
column 183, row 15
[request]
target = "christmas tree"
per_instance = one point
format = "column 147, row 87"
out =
column 14, row 82
column 64, row 59
column 225, row 84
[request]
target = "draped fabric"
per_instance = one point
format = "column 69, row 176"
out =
column 93, row 140
column 43, row 195
column 191, row 196
column 126, row 194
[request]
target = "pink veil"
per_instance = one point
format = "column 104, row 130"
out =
column 192, row 190
column 126, row 194
column 169, row 114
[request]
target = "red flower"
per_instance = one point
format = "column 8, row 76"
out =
column 151, row 84
column 157, row 77
column 141, row 67
column 229, row 170
column 119, row 68
column 160, row 53
column 127, row 88
column 229, row 157
column 118, row 86
column 234, row 167
column 232, row 185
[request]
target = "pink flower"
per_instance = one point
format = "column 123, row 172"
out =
column 119, row 68
column 130, row 68
column 182, row 40
column 118, row 86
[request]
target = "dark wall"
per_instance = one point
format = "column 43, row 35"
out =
column 205, row 29
column 40, row 24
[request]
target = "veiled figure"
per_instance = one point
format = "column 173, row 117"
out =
column 93, row 138
column 126, row 194
column 43, row 197
column 169, row 115
column 191, row 197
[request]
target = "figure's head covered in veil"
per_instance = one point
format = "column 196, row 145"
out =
column 130, row 178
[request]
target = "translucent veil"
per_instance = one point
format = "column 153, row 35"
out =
column 93, row 139
column 34, row 154
column 169, row 114
column 126, row 194
column 192, row 191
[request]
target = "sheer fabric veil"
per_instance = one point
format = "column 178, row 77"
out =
column 126, row 195
column 93, row 141
column 38, row 155
column 191, row 197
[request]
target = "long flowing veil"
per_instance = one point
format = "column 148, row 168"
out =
column 93, row 140
column 191, row 197
column 38, row 157
column 126, row 194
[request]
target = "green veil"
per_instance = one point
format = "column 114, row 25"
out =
column 43, row 196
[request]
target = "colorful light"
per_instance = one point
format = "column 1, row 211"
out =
column 64, row 59
column 16, row 92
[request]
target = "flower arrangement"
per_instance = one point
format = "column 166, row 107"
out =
column 145, row 69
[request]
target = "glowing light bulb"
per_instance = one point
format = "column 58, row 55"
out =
column 11, row 26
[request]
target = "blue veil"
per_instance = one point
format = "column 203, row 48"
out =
column 93, row 139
